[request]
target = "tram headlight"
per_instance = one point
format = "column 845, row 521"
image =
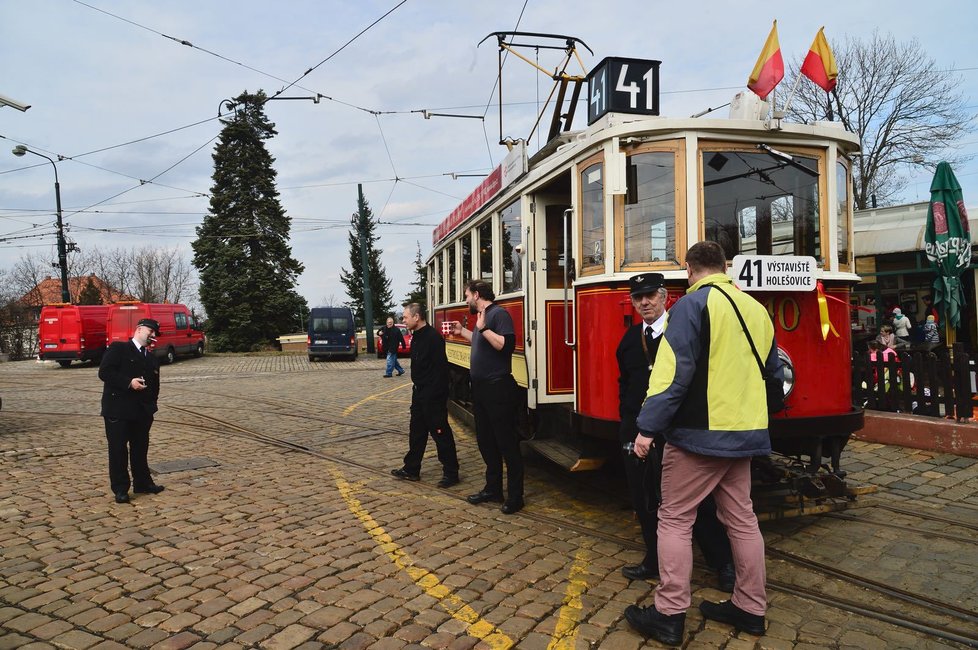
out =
column 789, row 372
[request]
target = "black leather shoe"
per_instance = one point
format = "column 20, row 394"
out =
column 512, row 507
column 640, row 572
column 726, row 612
column 121, row 497
column 448, row 481
column 726, row 578
column 150, row 489
column 482, row 496
column 400, row 473
column 664, row 629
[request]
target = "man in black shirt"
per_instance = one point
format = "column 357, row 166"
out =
column 429, row 401
column 494, row 396
column 392, row 340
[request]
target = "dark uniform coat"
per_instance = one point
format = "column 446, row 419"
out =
column 643, row 477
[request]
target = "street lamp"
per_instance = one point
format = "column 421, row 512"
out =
column 19, row 151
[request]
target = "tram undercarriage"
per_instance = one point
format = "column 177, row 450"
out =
column 794, row 480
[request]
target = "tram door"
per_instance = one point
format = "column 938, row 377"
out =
column 554, row 358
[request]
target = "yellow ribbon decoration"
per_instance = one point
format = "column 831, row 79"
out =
column 823, row 313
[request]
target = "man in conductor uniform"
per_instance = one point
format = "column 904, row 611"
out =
column 131, row 385
column 636, row 355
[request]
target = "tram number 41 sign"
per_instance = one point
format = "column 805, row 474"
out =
column 623, row 86
column 774, row 272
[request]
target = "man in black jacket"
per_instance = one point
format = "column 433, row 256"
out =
column 429, row 401
column 131, row 386
column 636, row 355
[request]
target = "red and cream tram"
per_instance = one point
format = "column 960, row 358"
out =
column 559, row 234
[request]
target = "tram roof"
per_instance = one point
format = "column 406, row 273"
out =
column 569, row 145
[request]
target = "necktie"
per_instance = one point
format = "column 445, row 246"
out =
column 145, row 353
column 649, row 337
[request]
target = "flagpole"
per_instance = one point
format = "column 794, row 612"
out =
column 791, row 95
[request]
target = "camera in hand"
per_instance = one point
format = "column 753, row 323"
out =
column 629, row 449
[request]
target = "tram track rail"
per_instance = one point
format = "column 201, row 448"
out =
column 966, row 637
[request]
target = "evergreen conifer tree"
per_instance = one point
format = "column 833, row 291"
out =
column 418, row 291
column 380, row 286
column 242, row 253
column 90, row 294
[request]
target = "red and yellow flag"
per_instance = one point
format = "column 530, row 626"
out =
column 819, row 65
column 769, row 69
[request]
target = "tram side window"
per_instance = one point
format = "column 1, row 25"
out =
column 650, row 208
column 485, row 251
column 450, row 251
column 592, row 213
column 842, row 206
column 467, row 257
column 439, row 281
column 758, row 203
column 432, row 288
column 512, row 247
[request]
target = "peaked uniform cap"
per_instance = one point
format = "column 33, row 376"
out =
column 645, row 283
column 150, row 323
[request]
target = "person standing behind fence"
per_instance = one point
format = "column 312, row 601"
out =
column 932, row 336
column 707, row 398
column 901, row 328
column 429, row 401
column 130, row 375
column 392, row 340
column 494, row 396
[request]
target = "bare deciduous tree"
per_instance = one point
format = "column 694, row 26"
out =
column 904, row 108
column 160, row 275
column 29, row 271
column 150, row 274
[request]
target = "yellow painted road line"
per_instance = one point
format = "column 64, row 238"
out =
column 484, row 630
column 369, row 398
column 565, row 634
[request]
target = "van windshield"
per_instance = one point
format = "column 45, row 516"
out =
column 336, row 324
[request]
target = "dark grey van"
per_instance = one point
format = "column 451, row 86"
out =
column 331, row 333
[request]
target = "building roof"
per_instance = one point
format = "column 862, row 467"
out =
column 894, row 229
column 48, row 291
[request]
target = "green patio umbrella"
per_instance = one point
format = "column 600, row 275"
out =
column 947, row 242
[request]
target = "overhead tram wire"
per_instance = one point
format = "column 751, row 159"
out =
column 342, row 47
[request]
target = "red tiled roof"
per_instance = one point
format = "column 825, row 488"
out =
column 49, row 291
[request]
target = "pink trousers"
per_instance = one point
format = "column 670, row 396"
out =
column 686, row 479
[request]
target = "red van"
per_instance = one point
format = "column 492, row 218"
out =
column 179, row 331
column 67, row 332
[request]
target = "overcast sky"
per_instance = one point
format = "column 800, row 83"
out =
column 97, row 81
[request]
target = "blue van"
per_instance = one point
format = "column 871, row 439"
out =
column 331, row 333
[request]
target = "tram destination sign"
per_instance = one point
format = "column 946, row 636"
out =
column 619, row 85
column 774, row 272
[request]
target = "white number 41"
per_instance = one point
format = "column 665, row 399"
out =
column 633, row 88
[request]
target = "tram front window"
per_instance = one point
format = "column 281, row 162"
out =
column 761, row 203
column 650, row 210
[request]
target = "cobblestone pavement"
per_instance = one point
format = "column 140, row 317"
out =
column 275, row 547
